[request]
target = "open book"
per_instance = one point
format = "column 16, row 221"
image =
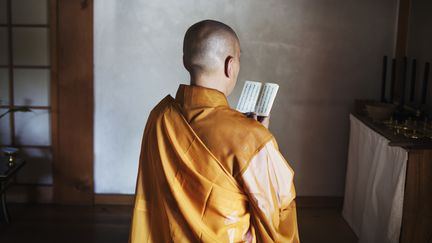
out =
column 257, row 98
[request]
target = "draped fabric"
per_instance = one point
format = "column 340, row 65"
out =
column 183, row 192
column 269, row 183
column 191, row 190
column 374, row 189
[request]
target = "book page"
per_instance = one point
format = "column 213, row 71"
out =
column 249, row 96
column 266, row 99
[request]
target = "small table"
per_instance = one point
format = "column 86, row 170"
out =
column 6, row 174
column 388, row 190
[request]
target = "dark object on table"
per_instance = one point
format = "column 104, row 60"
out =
column 425, row 84
column 413, row 80
column 411, row 107
column 384, row 78
column 393, row 81
column 379, row 111
column 6, row 174
column 404, row 80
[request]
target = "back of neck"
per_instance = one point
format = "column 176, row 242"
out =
column 209, row 82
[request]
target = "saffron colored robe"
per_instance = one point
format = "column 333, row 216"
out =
column 207, row 173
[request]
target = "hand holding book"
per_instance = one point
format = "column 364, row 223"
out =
column 264, row 120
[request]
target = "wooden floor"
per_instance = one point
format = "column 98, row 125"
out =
column 322, row 225
column 110, row 224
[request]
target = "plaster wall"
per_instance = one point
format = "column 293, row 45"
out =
column 420, row 43
column 323, row 54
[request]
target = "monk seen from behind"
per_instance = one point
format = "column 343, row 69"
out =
column 208, row 173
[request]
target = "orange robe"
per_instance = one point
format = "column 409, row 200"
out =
column 209, row 174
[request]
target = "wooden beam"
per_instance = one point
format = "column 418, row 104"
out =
column 402, row 32
column 73, row 148
column 52, row 11
column 10, row 70
column 114, row 199
column 403, row 28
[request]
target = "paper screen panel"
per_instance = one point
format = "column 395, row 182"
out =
column 267, row 97
column 5, row 129
column 3, row 46
column 31, row 46
column 3, row 12
column 31, row 87
column 38, row 168
column 29, row 11
column 4, row 86
column 33, row 128
column 249, row 96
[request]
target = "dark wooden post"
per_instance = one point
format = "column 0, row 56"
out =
column 73, row 148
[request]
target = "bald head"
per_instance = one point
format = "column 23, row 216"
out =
column 206, row 46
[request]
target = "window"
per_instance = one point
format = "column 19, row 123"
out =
column 25, row 81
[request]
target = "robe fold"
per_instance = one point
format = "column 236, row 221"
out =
column 200, row 176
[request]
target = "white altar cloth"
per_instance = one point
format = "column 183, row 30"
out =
column 374, row 188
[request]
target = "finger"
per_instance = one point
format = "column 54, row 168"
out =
column 263, row 118
column 251, row 115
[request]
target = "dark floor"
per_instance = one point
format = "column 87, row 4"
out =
column 323, row 225
column 110, row 224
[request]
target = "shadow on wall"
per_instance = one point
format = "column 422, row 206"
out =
column 420, row 39
column 323, row 56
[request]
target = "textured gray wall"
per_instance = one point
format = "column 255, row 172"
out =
column 420, row 41
column 322, row 53
column 420, row 34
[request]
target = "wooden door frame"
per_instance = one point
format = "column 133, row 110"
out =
column 72, row 100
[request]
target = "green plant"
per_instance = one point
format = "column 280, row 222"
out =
column 16, row 109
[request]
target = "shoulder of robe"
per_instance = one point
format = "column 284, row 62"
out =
column 244, row 124
column 232, row 136
column 161, row 107
column 156, row 114
column 247, row 130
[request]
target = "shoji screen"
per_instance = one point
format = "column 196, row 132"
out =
column 25, row 81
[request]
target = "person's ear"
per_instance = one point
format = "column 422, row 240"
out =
column 229, row 61
column 184, row 62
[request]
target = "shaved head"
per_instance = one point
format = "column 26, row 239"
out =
column 206, row 46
